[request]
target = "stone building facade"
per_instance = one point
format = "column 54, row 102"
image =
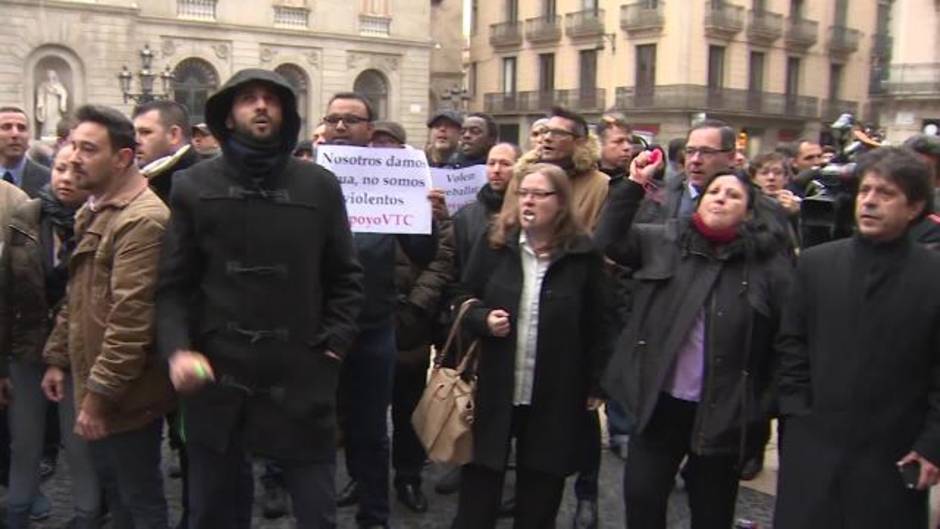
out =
column 776, row 69
column 382, row 48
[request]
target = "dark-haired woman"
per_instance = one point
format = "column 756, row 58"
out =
column 694, row 365
column 542, row 324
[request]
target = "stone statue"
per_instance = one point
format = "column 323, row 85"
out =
column 52, row 100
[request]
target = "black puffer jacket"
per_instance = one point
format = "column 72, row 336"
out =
column 259, row 273
column 741, row 288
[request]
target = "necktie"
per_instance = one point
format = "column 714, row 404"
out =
column 8, row 177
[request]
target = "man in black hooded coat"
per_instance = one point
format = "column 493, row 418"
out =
column 257, row 303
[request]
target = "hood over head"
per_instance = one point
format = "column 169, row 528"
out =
column 219, row 105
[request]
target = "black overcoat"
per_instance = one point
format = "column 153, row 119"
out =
column 260, row 276
column 859, row 384
column 572, row 346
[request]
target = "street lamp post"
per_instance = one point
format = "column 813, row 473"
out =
column 146, row 77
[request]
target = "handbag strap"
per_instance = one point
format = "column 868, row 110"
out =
column 455, row 332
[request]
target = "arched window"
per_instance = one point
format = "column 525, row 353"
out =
column 297, row 79
column 374, row 87
column 194, row 80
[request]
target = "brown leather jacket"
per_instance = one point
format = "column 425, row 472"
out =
column 104, row 333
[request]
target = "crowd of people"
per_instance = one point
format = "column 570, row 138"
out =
column 202, row 284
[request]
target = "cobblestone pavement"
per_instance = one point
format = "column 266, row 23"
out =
column 752, row 504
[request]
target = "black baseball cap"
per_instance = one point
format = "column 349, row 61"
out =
column 450, row 115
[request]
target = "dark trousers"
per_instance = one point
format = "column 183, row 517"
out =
column 179, row 446
column 585, row 486
column 221, row 489
column 619, row 423
column 652, row 461
column 128, row 468
column 366, row 387
column 407, row 452
column 538, row 494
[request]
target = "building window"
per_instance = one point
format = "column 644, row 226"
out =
column 375, row 7
column 509, row 75
column 196, row 9
column 193, row 81
column 512, row 10
column 472, row 79
column 589, row 5
column 755, row 80
column 716, row 67
column 374, row 87
column 645, row 77
column 792, row 87
column 835, row 81
column 549, row 8
column 588, row 70
column 291, row 17
column 474, row 15
column 297, row 79
column 759, row 6
column 546, row 72
column 842, row 12
column 796, row 9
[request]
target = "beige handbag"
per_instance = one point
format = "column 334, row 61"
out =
column 444, row 415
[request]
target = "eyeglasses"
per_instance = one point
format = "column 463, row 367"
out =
column 537, row 194
column 558, row 132
column 704, row 151
column 348, row 119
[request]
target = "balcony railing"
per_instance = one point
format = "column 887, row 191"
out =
column 723, row 20
column 543, row 29
column 833, row 108
column 764, row 27
column 581, row 100
column 843, row 40
column 506, row 34
column 640, row 18
column 196, row 9
column 589, row 23
column 291, row 17
column 909, row 80
column 375, row 25
column 801, row 33
column 698, row 98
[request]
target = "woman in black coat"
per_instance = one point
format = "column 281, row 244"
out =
column 543, row 333
column 694, row 365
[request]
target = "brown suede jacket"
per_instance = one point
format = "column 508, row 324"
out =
column 104, row 332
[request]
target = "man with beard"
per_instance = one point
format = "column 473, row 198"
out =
column 15, row 167
column 104, row 331
column 859, row 368
column 368, row 370
column 565, row 143
column 478, row 133
column 443, row 137
column 256, row 307
column 163, row 135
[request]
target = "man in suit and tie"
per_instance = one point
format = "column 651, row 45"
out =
column 15, row 167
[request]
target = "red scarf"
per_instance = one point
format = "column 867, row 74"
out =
column 714, row 235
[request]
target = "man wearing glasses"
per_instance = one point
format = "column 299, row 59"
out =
column 365, row 388
column 564, row 142
column 709, row 149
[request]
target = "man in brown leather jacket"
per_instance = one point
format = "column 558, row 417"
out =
column 103, row 333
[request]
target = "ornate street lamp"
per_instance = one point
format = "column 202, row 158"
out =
column 146, row 78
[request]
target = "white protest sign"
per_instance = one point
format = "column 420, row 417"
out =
column 386, row 189
column 460, row 186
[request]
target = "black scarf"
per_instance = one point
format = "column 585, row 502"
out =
column 491, row 200
column 60, row 216
column 259, row 159
column 566, row 165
